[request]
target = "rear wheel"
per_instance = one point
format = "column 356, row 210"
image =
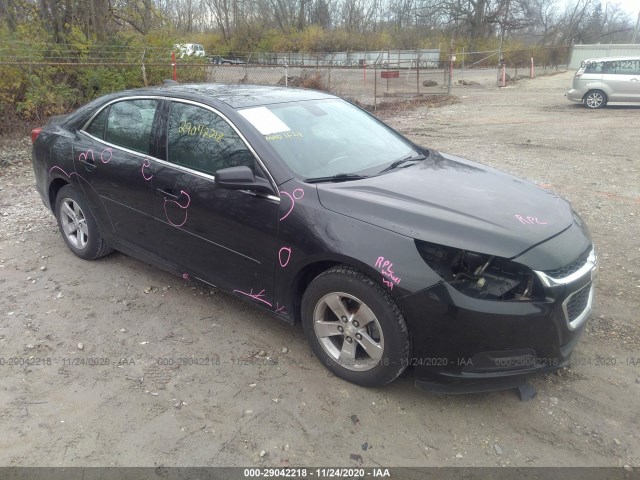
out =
column 595, row 99
column 77, row 226
column 355, row 328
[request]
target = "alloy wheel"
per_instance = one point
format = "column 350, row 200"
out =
column 348, row 331
column 74, row 223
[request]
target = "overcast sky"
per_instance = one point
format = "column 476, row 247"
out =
column 631, row 6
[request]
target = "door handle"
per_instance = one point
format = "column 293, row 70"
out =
column 87, row 160
column 168, row 192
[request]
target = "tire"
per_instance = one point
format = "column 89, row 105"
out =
column 595, row 99
column 77, row 226
column 367, row 342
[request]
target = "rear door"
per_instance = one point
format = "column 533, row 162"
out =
column 624, row 78
column 227, row 238
column 113, row 158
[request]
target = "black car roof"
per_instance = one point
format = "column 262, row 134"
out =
column 236, row 96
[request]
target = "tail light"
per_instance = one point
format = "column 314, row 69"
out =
column 34, row 134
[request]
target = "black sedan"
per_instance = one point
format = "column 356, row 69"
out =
column 391, row 255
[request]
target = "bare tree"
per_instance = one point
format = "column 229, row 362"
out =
column 221, row 12
column 141, row 15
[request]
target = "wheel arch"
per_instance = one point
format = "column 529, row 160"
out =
column 597, row 87
column 302, row 280
column 307, row 273
column 54, row 187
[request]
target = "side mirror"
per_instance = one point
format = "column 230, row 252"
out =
column 241, row 178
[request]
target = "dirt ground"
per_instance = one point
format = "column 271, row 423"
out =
column 97, row 358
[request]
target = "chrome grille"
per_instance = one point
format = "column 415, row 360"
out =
column 570, row 268
column 577, row 306
column 579, row 269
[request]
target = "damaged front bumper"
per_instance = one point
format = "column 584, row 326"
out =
column 463, row 344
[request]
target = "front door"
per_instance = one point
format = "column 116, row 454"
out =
column 227, row 238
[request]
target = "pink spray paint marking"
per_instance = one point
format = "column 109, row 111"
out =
column 297, row 194
column 186, row 276
column 183, row 207
column 529, row 220
column 105, row 156
column 386, row 268
column 55, row 167
column 146, row 164
column 102, row 156
column 69, row 175
column 256, row 296
column 84, row 156
column 388, row 283
column 280, row 308
column 284, row 255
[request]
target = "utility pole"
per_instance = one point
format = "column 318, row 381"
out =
column 450, row 67
column 500, row 52
column 636, row 31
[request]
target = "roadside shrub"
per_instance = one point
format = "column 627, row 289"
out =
column 98, row 81
column 314, row 81
column 44, row 97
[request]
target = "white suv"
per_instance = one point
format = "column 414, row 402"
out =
column 603, row 80
column 189, row 49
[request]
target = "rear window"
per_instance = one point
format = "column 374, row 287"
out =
column 593, row 67
column 129, row 124
column 98, row 124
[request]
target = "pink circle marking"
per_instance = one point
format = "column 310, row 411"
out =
column 102, row 155
column 184, row 207
column 284, row 255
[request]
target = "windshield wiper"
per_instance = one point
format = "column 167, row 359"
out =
column 340, row 177
column 397, row 163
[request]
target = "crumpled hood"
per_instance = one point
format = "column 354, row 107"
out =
column 451, row 201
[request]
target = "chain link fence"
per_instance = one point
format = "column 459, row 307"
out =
column 35, row 75
column 368, row 85
column 371, row 78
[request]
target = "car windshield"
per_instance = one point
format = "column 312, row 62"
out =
column 328, row 137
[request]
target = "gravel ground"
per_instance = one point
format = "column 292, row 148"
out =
column 110, row 343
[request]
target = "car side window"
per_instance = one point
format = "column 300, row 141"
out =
column 628, row 67
column 594, row 67
column 129, row 124
column 622, row 67
column 202, row 140
column 98, row 124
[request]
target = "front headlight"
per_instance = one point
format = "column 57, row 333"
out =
column 481, row 276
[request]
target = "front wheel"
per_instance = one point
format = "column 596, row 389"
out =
column 355, row 328
column 77, row 226
column 595, row 99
